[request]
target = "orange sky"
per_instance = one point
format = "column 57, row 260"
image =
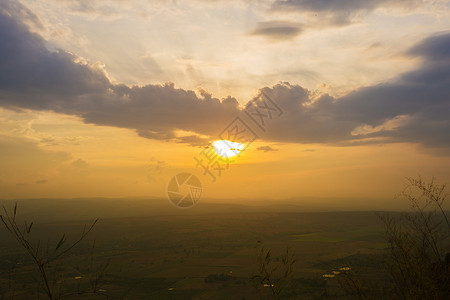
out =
column 110, row 100
column 82, row 160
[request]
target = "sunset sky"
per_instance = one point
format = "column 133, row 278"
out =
column 112, row 98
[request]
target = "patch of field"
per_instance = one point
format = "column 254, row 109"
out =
column 324, row 237
column 368, row 234
column 170, row 257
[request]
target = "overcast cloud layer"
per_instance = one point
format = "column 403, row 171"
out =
column 413, row 108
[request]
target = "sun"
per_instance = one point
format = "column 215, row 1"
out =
column 227, row 148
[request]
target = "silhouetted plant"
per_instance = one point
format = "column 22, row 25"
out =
column 418, row 242
column 351, row 284
column 41, row 256
column 273, row 274
column 418, row 259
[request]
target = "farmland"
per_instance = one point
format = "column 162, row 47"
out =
column 206, row 255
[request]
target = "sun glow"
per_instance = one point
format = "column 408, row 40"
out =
column 227, row 148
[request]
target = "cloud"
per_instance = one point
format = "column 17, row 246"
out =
column 330, row 5
column 157, row 165
column 340, row 12
column 22, row 160
column 92, row 9
column 28, row 67
column 79, row 163
column 266, row 149
column 33, row 77
column 155, row 169
column 49, row 141
column 41, row 181
column 16, row 152
column 18, row 11
column 436, row 47
column 309, row 150
column 277, row 30
column 414, row 107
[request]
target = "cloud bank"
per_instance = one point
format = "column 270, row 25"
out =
column 341, row 12
column 33, row 77
column 414, row 107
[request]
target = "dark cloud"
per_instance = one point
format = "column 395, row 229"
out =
column 277, row 30
column 328, row 5
column 266, row 149
column 193, row 140
column 28, row 67
column 41, row 181
column 33, row 77
column 339, row 12
column 436, row 47
column 414, row 107
column 18, row 11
